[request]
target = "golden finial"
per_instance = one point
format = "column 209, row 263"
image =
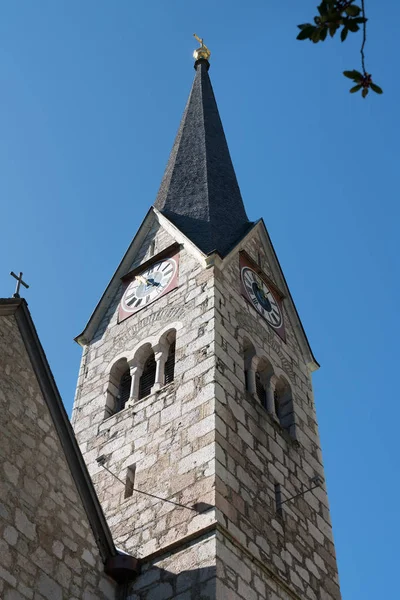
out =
column 202, row 52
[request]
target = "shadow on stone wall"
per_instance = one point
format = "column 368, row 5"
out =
column 156, row 583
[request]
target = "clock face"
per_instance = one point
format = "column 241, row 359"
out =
column 148, row 285
column 262, row 297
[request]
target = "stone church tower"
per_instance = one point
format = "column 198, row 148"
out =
column 194, row 407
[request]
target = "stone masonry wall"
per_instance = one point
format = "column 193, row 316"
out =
column 204, row 438
column 188, row 573
column 47, row 549
column 168, row 436
column 254, row 453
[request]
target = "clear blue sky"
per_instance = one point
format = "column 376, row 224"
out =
column 91, row 97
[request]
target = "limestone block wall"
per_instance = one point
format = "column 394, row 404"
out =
column 204, row 438
column 169, row 436
column 254, row 453
column 47, row 549
column 188, row 573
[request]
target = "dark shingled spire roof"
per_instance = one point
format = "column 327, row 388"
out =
column 199, row 192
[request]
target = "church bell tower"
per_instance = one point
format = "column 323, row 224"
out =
column 194, row 407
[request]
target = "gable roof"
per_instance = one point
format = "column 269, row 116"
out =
column 125, row 266
column 199, row 192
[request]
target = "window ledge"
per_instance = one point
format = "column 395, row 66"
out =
column 127, row 410
column 165, row 389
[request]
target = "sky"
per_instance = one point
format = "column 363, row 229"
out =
column 91, row 97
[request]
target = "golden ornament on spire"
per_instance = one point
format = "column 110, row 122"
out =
column 203, row 51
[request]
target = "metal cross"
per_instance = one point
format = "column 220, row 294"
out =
column 19, row 282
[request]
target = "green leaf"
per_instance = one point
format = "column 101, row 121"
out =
column 352, row 25
column 343, row 34
column 323, row 34
column 364, row 93
column 355, row 88
column 355, row 75
column 315, row 37
column 358, row 76
column 333, row 29
column 306, row 33
column 353, row 11
column 376, row 88
column 335, row 17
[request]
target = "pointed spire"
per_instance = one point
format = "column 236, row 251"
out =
column 199, row 192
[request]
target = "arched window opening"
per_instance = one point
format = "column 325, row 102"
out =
column 284, row 407
column 124, row 390
column 261, row 391
column 246, row 380
column 263, row 376
column 118, row 388
column 165, row 358
column 248, row 355
column 148, row 377
column 276, row 403
column 169, row 368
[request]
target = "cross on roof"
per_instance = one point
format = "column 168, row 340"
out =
column 19, row 282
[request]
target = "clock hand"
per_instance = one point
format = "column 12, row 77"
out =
column 263, row 298
column 153, row 282
column 143, row 280
column 260, row 291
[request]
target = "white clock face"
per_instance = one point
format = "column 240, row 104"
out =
column 148, row 285
column 262, row 298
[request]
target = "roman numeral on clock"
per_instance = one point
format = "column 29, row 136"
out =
column 248, row 280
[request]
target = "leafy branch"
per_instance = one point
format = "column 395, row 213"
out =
column 343, row 15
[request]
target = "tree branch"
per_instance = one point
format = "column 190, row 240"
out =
column 364, row 37
column 346, row 16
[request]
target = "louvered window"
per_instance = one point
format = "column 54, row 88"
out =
column 148, row 377
column 124, row 390
column 170, row 365
column 260, row 389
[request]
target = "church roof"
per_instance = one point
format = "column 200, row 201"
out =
column 199, row 192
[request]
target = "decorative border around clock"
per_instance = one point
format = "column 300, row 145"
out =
column 246, row 261
column 172, row 253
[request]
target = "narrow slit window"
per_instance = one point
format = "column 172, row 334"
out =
column 130, row 481
column 170, row 364
column 148, row 377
